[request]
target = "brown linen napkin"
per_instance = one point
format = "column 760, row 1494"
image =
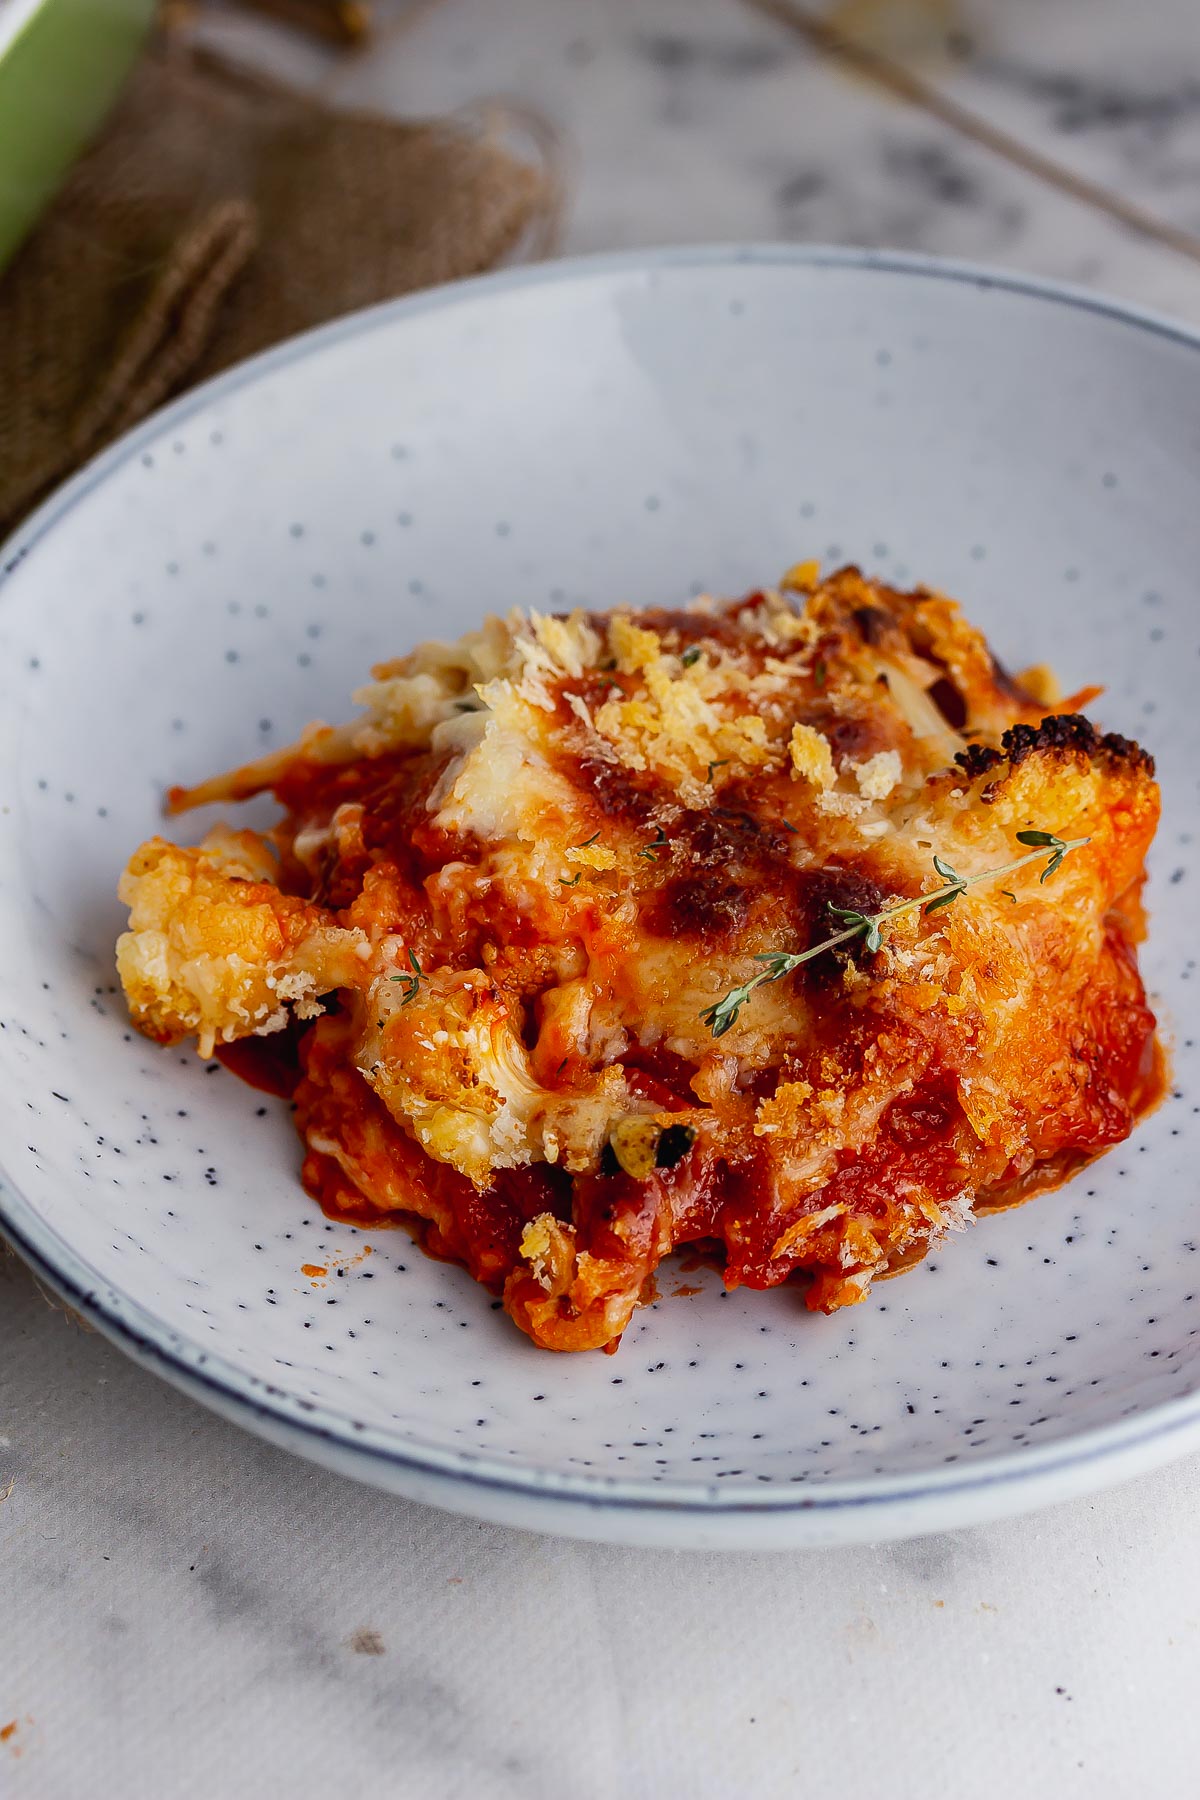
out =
column 218, row 213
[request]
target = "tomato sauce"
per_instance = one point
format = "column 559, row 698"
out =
column 270, row 1064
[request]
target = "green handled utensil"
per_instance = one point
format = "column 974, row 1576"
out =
column 62, row 63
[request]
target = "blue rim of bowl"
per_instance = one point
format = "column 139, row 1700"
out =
column 133, row 1328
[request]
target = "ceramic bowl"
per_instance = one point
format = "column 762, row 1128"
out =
column 626, row 430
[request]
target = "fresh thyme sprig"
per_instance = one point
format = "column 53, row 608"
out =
column 411, row 984
column 778, row 963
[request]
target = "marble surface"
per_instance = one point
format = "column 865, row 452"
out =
column 191, row 1614
column 698, row 120
column 187, row 1612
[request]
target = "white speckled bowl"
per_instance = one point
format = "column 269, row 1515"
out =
column 625, row 430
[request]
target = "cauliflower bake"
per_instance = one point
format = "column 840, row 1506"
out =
column 791, row 927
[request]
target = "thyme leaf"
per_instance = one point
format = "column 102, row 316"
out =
column 410, row 984
column 955, row 886
column 865, row 923
column 1047, row 840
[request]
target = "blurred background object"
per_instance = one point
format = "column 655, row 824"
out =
column 901, row 27
column 1045, row 134
column 272, row 162
column 62, row 63
column 1060, row 137
column 341, row 22
column 219, row 212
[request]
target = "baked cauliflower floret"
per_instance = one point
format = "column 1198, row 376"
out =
column 447, row 1063
column 445, row 1056
column 214, row 950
